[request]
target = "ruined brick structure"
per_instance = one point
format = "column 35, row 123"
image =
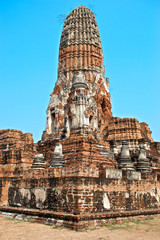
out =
column 89, row 166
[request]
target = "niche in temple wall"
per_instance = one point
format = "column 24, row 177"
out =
column 52, row 120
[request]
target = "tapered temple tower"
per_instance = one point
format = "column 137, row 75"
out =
column 80, row 68
column 89, row 167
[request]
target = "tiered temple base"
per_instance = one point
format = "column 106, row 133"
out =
column 76, row 222
column 82, row 199
column 89, row 189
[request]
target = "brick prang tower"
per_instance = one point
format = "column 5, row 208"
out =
column 80, row 58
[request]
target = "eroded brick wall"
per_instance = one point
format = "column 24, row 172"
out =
column 17, row 151
column 80, row 195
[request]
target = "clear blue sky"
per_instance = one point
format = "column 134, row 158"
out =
column 29, row 42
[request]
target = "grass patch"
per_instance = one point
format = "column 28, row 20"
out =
column 57, row 227
column 92, row 229
column 137, row 221
column 14, row 220
column 134, row 224
column 54, row 227
column 125, row 226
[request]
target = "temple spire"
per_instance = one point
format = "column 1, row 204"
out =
column 80, row 66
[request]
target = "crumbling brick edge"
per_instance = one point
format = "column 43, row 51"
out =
column 75, row 222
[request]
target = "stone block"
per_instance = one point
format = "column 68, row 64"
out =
column 133, row 175
column 107, row 153
column 114, row 173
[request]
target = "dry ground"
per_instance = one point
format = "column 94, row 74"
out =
column 11, row 229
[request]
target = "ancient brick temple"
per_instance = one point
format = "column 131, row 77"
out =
column 90, row 166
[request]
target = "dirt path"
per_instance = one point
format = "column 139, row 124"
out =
column 11, row 229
